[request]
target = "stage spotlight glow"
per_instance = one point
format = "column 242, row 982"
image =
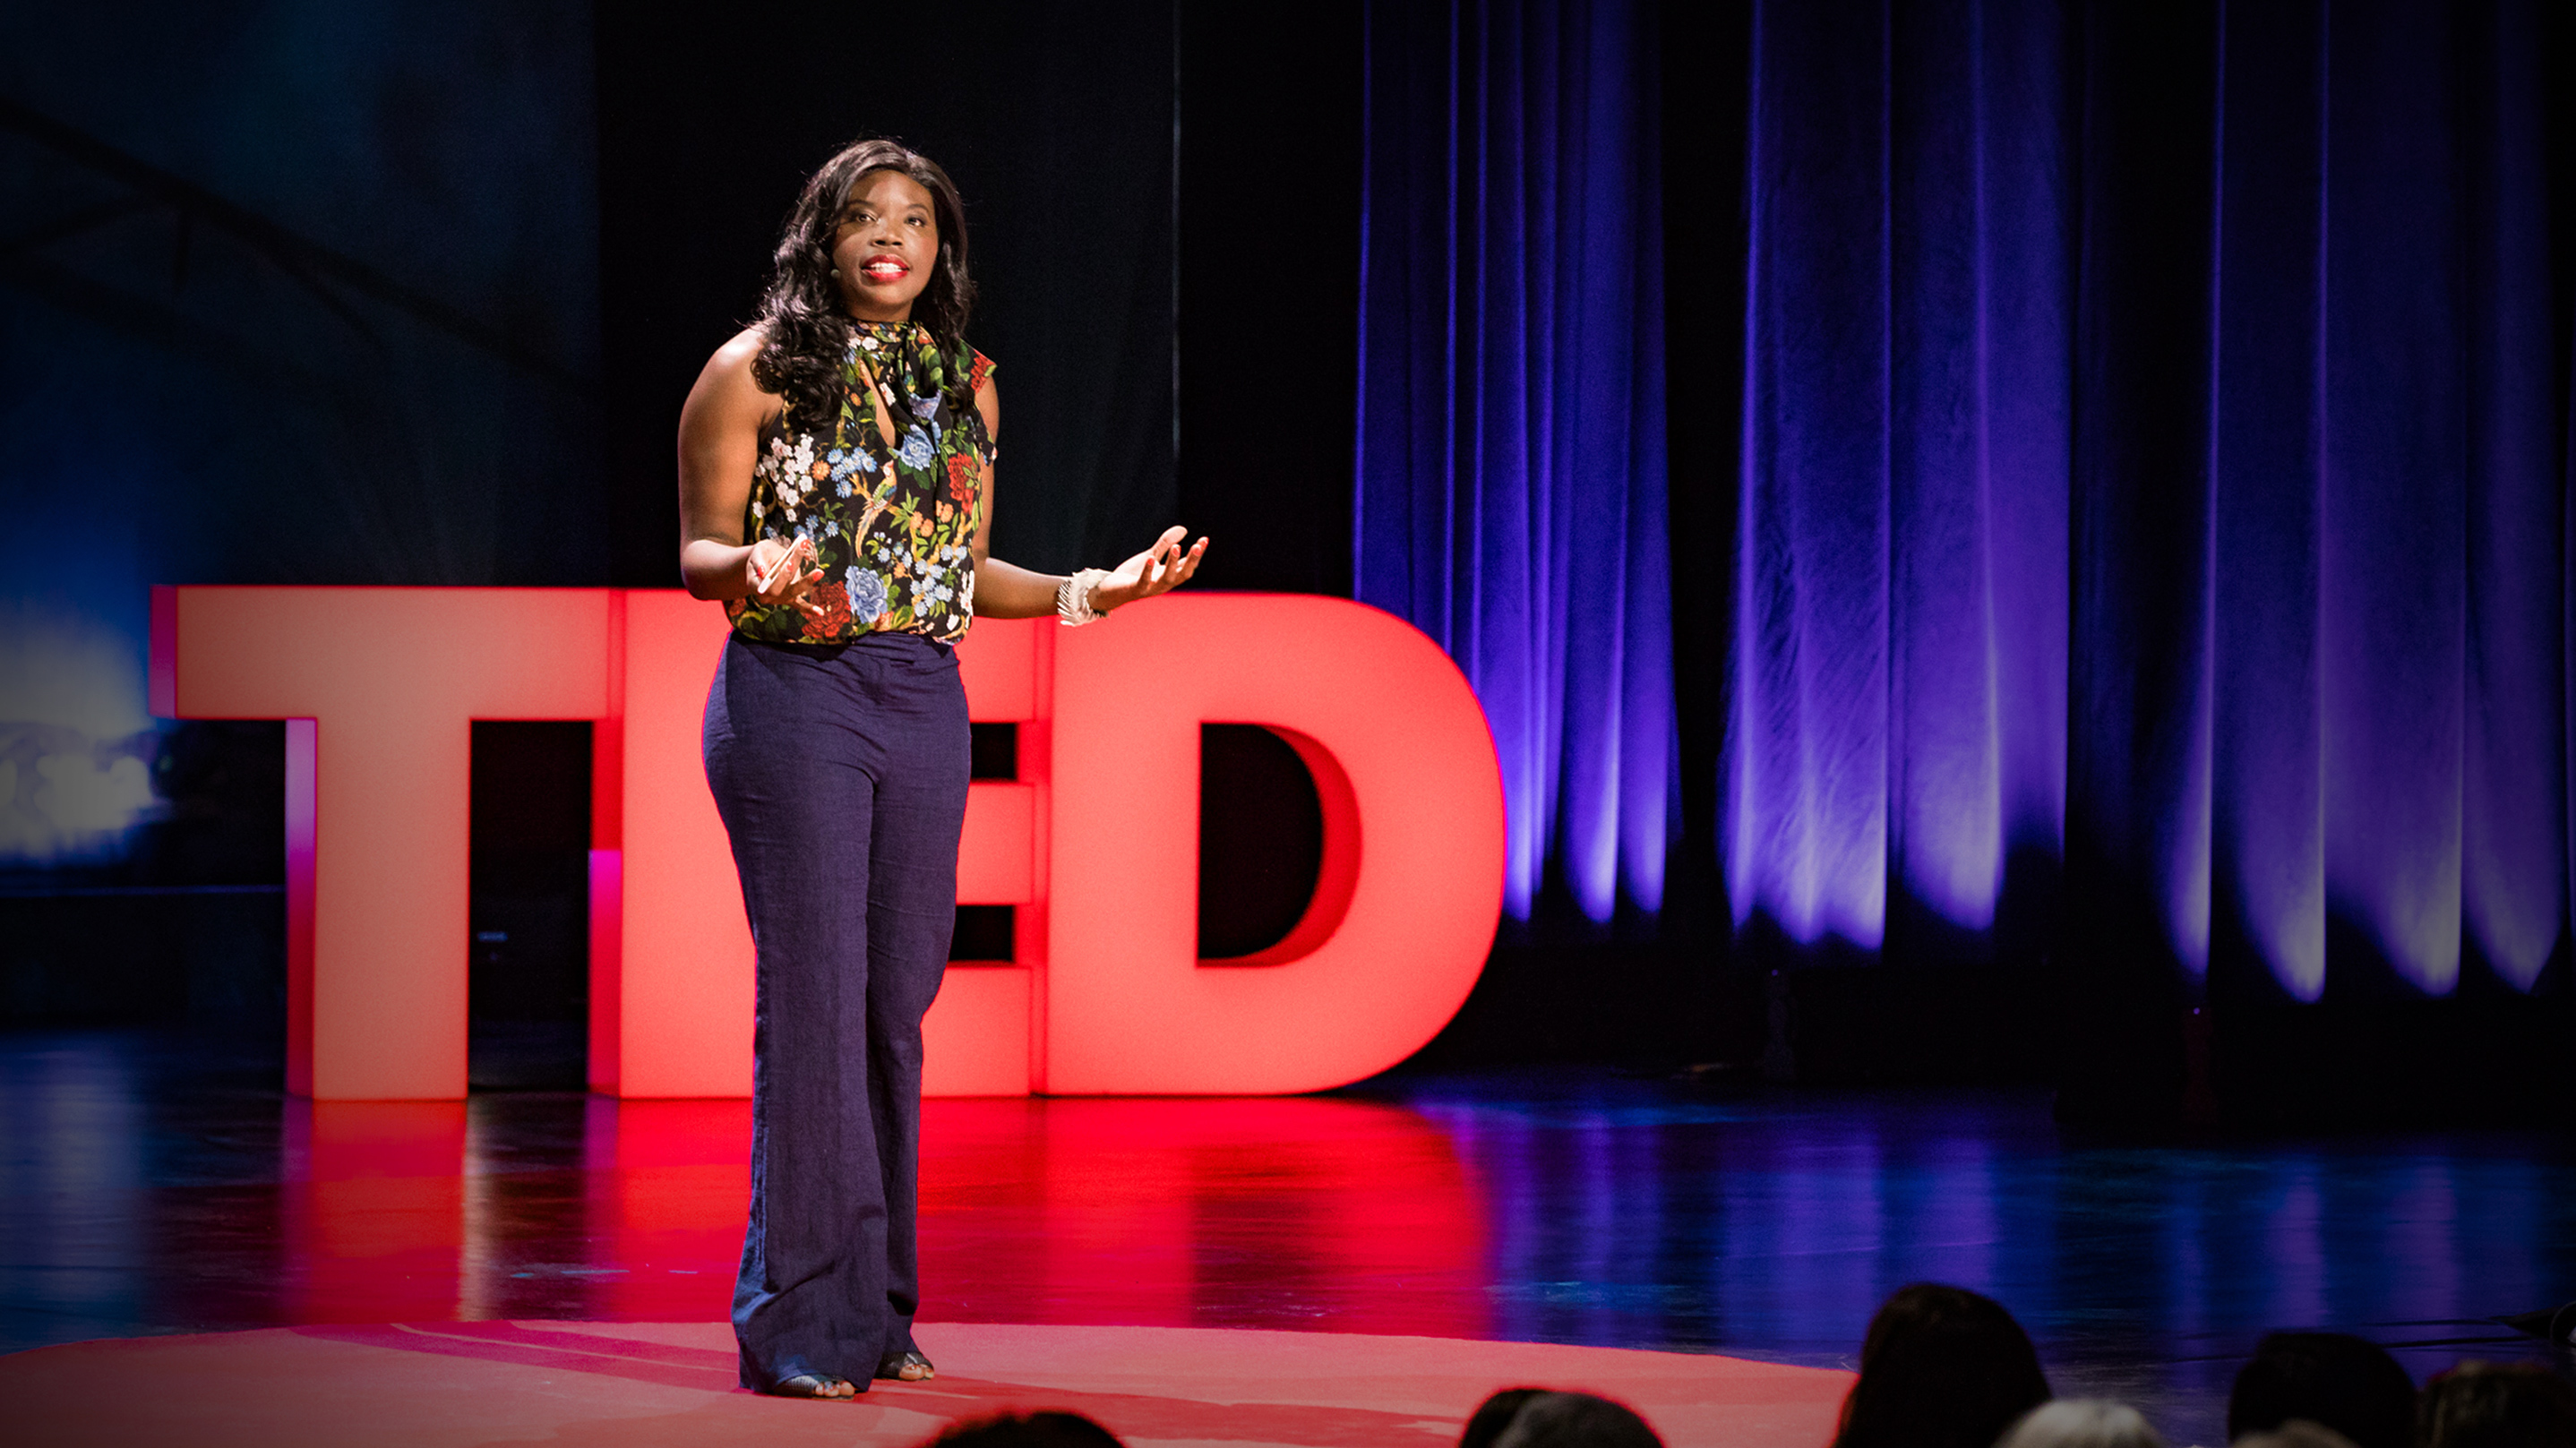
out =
column 75, row 743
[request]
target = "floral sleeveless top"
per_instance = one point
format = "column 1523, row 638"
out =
column 892, row 524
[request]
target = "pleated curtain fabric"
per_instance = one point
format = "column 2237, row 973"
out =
column 1896, row 731
column 2152, row 452
column 2149, row 552
column 2319, row 571
column 1510, row 486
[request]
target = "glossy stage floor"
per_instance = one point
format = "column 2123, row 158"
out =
column 149, row 1186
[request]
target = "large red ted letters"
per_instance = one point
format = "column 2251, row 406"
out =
column 1093, row 841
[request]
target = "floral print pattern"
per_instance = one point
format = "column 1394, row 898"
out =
column 893, row 527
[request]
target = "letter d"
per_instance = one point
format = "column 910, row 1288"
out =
column 1412, row 876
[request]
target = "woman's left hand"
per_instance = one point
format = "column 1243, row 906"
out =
column 1158, row 569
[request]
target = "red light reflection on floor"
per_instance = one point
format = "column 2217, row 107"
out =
column 1266, row 1212
column 1227, row 1211
column 372, row 1210
column 666, row 1184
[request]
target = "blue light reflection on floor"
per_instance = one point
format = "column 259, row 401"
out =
column 1769, row 1223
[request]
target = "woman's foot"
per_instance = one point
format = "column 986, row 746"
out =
column 907, row 1366
column 817, row 1385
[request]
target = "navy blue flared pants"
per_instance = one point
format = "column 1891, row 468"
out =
column 841, row 775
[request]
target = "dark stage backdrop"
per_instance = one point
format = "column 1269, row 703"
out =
column 289, row 294
column 2146, row 558
column 330, row 297
column 296, row 296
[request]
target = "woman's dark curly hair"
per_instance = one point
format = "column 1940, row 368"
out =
column 801, row 315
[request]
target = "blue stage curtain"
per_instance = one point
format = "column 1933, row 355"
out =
column 2347, row 484
column 2153, row 460
column 1897, row 699
column 1510, row 447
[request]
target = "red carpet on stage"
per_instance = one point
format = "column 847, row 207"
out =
column 666, row 1385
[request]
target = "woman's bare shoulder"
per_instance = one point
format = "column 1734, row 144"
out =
column 727, row 382
column 733, row 360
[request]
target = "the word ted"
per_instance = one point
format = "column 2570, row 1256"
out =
column 1095, row 841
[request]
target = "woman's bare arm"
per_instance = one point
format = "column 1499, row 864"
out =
column 719, row 445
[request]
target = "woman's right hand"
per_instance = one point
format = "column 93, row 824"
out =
column 789, row 581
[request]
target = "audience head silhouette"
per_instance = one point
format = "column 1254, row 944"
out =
column 2491, row 1405
column 1942, row 1367
column 2329, row 1378
column 2296, row 1433
column 1026, row 1430
column 1493, row 1415
column 1539, row 1418
column 2082, row 1423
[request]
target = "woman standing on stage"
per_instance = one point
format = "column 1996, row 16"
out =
column 836, row 491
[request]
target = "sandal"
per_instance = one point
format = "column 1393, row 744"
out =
column 908, row 1366
column 814, row 1385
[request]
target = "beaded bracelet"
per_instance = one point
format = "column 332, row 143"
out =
column 1073, row 598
